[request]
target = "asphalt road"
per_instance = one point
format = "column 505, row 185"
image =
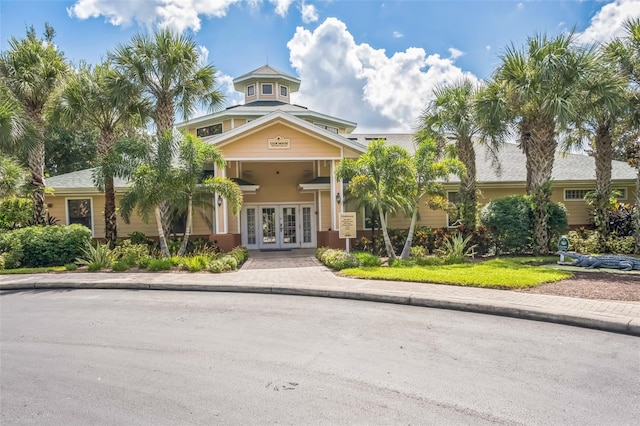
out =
column 152, row 357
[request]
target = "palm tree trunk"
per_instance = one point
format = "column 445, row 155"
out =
column 541, row 154
column 468, row 189
column 187, row 230
column 36, row 168
column 110, row 219
column 164, row 114
column 603, row 156
column 164, row 249
column 385, row 235
column 406, row 250
column 524, row 128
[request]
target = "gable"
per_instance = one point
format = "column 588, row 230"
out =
column 279, row 140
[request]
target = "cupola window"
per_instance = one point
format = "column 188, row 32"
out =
column 251, row 90
column 284, row 91
column 267, row 89
column 214, row 129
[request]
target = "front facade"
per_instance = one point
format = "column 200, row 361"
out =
column 283, row 157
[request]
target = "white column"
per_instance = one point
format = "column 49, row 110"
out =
column 332, row 200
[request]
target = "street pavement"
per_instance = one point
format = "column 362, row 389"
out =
column 299, row 273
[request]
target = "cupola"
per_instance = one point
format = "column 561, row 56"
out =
column 266, row 84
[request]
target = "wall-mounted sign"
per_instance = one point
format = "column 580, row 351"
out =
column 347, row 225
column 278, row 143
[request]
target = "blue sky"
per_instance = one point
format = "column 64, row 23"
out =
column 372, row 62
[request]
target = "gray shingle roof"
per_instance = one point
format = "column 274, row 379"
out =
column 79, row 179
column 570, row 167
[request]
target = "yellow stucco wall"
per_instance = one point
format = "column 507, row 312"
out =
column 255, row 145
column 278, row 181
column 325, row 201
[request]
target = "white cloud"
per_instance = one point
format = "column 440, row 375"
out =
column 397, row 34
column 177, row 15
column 608, row 22
column 309, row 13
column 455, row 53
column 360, row 83
column 282, row 6
column 520, row 6
column 488, row 47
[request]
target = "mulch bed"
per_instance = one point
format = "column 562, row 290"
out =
column 594, row 285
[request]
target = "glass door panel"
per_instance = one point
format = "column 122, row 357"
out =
column 306, row 225
column 289, row 225
column 251, row 226
column 269, row 226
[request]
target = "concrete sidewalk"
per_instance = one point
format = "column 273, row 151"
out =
column 303, row 275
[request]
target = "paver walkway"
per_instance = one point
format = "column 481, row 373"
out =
column 301, row 274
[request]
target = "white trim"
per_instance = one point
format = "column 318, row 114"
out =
column 66, row 211
column 233, row 123
column 333, row 197
column 225, row 214
column 320, row 210
column 269, row 159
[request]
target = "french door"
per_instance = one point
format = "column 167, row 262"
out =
column 278, row 226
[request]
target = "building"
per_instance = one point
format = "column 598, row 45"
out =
column 283, row 157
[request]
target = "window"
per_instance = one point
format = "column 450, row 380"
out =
column 579, row 194
column 329, row 128
column 214, row 129
column 79, row 211
column 267, row 89
column 284, row 91
column 251, row 90
column 178, row 224
column 453, row 215
column 371, row 218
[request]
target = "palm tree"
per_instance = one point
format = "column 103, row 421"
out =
column 12, row 177
column 600, row 111
column 452, row 116
column 31, row 69
column 385, row 175
column 535, row 89
column 103, row 99
column 154, row 182
column 625, row 51
column 169, row 69
column 430, row 173
column 192, row 156
column 12, row 126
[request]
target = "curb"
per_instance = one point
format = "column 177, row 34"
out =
column 615, row 325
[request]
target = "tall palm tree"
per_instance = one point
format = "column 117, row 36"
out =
column 430, row 173
column 535, row 89
column 193, row 154
column 386, row 176
column 600, row 110
column 154, row 183
column 31, row 69
column 453, row 116
column 12, row 125
column 625, row 51
column 12, row 177
column 102, row 98
column 171, row 73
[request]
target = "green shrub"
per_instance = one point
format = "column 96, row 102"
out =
column 120, row 266
column 418, row 252
column 621, row 245
column 217, row 266
column 367, row 259
column 429, row 261
column 46, row 245
column 338, row 259
column 13, row 253
column 195, row 263
column 320, row 251
column 509, row 220
column 175, row 260
column 130, row 253
column 143, row 263
column 15, row 212
column 456, row 248
column 583, row 241
column 401, row 263
column 241, row 254
column 70, row 267
column 139, row 238
column 163, row 264
column 230, row 261
column 99, row 256
column 94, row 266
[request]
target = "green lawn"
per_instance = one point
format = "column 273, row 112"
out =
column 497, row 273
column 32, row 270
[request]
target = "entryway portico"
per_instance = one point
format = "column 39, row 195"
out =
column 285, row 167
